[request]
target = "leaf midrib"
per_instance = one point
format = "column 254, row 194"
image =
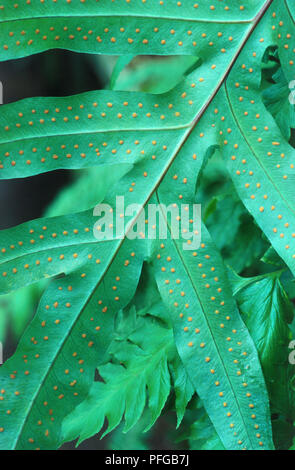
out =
column 103, row 131
column 29, row 253
column 289, row 11
column 128, row 15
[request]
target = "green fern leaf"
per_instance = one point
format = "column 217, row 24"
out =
column 48, row 368
column 202, row 434
column 145, row 371
column 275, row 98
column 81, row 195
column 207, row 323
column 259, row 159
column 240, row 242
column 155, row 75
column 136, row 28
column 268, row 312
column 167, row 138
column 144, row 363
column 183, row 388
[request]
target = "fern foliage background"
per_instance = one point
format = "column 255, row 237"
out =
column 127, row 329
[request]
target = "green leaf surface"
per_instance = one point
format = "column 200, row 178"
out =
column 203, row 435
column 140, row 375
column 166, row 138
column 113, row 28
column 276, row 100
column 214, row 344
column 139, row 378
column 73, row 324
column 81, row 195
column 183, row 388
column 157, row 74
column 121, row 63
column 240, row 241
column 268, row 313
column 259, row 158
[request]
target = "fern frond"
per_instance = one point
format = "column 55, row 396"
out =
column 166, row 138
column 133, row 28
